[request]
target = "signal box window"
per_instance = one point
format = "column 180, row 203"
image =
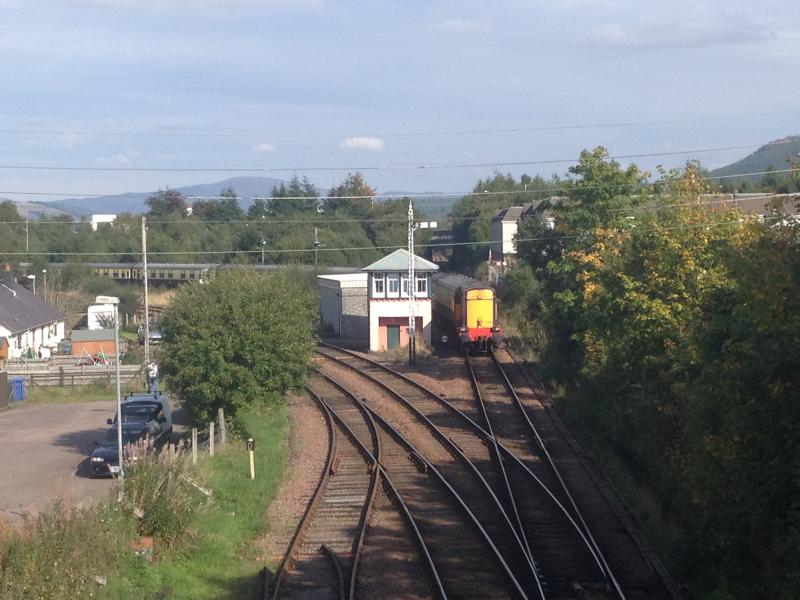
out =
column 393, row 285
column 422, row 286
column 378, row 283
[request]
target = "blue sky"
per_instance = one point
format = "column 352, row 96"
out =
column 320, row 84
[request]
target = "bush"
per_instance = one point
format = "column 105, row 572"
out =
column 156, row 490
column 241, row 340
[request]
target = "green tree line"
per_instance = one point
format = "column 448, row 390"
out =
column 220, row 230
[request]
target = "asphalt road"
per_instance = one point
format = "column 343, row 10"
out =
column 44, row 450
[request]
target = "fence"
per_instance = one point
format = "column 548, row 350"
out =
column 209, row 438
column 44, row 373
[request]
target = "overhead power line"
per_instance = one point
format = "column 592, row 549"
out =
column 518, row 163
column 390, row 134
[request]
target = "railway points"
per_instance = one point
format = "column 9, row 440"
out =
column 631, row 564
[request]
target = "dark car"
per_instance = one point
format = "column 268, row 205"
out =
column 155, row 334
column 143, row 415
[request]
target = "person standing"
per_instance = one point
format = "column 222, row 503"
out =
column 152, row 377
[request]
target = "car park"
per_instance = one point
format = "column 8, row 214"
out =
column 143, row 415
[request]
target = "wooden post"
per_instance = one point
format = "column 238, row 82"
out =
column 194, row 445
column 211, row 438
column 222, row 433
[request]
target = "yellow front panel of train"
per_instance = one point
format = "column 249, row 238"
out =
column 480, row 308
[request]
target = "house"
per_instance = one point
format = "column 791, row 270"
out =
column 26, row 321
column 504, row 225
column 343, row 304
column 390, row 298
column 93, row 341
column 99, row 219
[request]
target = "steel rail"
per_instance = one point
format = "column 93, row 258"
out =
column 337, row 565
column 627, row 515
column 311, row 508
column 499, row 460
column 441, row 478
column 372, row 460
column 459, row 454
column 392, row 489
column 467, row 419
column 556, row 471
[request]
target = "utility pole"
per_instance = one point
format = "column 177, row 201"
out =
column 263, row 242
column 412, row 350
column 27, row 238
column 146, row 298
column 316, row 247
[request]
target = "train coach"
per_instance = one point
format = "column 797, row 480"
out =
column 467, row 308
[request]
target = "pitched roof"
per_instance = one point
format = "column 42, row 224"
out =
column 20, row 310
column 398, row 261
column 92, row 335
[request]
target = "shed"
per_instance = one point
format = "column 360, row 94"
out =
column 93, row 341
column 343, row 304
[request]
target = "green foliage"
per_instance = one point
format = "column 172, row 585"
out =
column 352, row 195
column 158, row 489
column 472, row 214
column 57, row 553
column 239, row 341
column 677, row 336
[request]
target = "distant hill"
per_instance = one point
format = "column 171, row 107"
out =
column 37, row 210
column 772, row 155
column 133, row 202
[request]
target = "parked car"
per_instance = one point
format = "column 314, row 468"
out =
column 143, row 415
column 155, row 334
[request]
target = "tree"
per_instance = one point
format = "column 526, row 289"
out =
column 298, row 196
column 166, row 203
column 239, row 341
column 353, row 194
column 223, row 209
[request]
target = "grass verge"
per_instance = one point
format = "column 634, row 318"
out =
column 219, row 561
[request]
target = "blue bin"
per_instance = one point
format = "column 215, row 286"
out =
column 18, row 389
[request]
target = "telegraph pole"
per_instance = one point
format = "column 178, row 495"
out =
column 412, row 350
column 146, row 298
column 316, row 247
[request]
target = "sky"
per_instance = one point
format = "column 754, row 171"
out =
column 319, row 87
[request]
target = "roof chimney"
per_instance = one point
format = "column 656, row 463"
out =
column 8, row 277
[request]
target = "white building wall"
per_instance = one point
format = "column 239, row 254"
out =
column 397, row 308
column 509, row 231
column 95, row 312
column 35, row 338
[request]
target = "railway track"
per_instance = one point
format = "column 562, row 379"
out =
column 638, row 568
column 471, row 472
column 638, row 578
column 463, row 556
column 569, row 564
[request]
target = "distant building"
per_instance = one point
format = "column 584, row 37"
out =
column 505, row 224
column 98, row 219
column 390, row 294
column 343, row 304
column 27, row 322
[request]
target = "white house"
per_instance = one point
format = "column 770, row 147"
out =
column 27, row 322
column 98, row 219
column 505, row 224
column 390, row 296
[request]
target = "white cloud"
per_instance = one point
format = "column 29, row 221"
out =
column 263, row 148
column 461, row 26
column 362, row 142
